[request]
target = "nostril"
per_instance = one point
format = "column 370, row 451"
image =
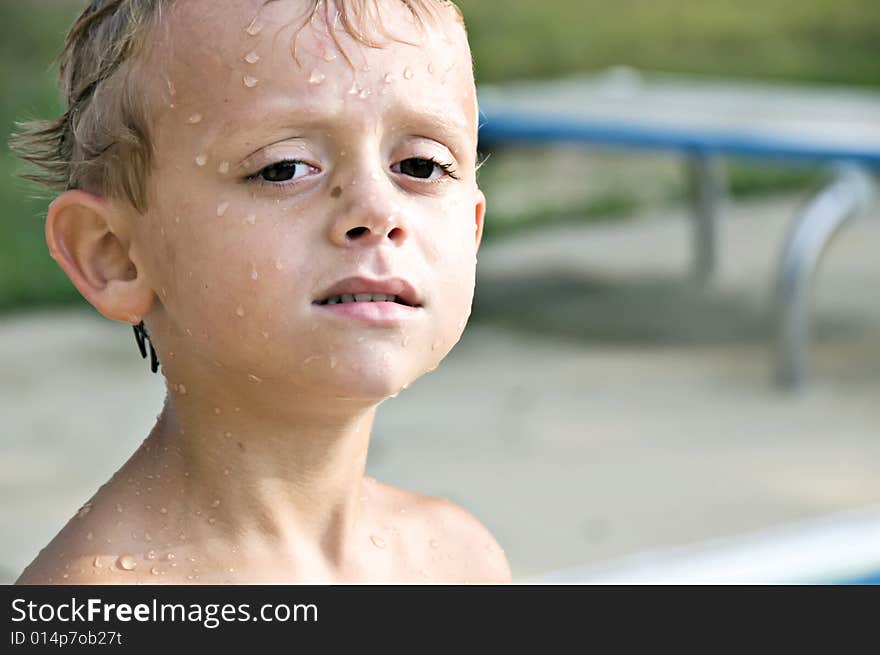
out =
column 355, row 232
column 395, row 234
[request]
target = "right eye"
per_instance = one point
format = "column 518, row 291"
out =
column 283, row 171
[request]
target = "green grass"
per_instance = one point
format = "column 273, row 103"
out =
column 821, row 41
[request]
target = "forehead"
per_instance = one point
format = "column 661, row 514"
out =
column 238, row 59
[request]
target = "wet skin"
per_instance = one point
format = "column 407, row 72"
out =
column 286, row 177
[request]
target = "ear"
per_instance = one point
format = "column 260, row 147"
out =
column 479, row 216
column 81, row 238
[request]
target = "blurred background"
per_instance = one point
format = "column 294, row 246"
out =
column 605, row 411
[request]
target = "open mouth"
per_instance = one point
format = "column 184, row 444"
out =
column 364, row 297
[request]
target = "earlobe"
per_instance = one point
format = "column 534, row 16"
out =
column 81, row 239
column 479, row 217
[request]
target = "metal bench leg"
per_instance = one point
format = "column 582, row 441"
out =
column 849, row 192
column 708, row 189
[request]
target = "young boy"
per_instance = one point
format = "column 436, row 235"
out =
column 284, row 192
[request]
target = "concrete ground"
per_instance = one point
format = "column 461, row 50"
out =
column 598, row 405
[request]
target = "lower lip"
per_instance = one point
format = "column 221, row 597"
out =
column 380, row 313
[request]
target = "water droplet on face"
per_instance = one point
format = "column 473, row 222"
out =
column 212, row 520
column 225, row 471
column 223, row 168
column 227, row 434
column 254, row 378
column 433, row 543
column 365, row 93
column 250, row 81
column 90, row 536
column 163, row 510
column 201, row 160
column 217, row 411
column 155, row 570
column 354, row 89
column 151, row 554
column 435, row 345
column 250, row 219
column 216, row 503
column 254, row 274
column 252, row 57
column 333, row 362
column 389, row 78
column 378, row 542
column 279, row 266
column 126, row 563
column 254, row 28
column 148, row 536
column 194, row 119
column 239, row 311
column 408, row 73
column 329, row 56
column 317, row 77
column 221, row 208
column 431, row 68
column 181, row 389
column 97, row 563
column 85, row 509
column 169, row 557
column 405, row 342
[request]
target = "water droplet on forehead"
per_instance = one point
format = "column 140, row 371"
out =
column 378, row 541
column 365, row 93
column 252, row 57
column 151, row 554
column 354, row 89
column 239, row 311
column 127, row 563
column 250, row 81
column 408, row 73
column 194, row 119
column 329, row 56
column 317, row 77
column 389, row 78
column 201, row 160
column 221, row 208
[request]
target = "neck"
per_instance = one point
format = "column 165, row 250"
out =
column 289, row 477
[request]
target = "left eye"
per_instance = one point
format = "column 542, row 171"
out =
column 284, row 171
column 425, row 169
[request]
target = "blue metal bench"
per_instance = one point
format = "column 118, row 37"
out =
column 705, row 121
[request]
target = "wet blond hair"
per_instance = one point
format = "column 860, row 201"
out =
column 102, row 141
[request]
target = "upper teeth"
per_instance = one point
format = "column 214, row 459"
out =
column 361, row 297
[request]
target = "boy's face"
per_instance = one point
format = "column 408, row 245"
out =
column 276, row 179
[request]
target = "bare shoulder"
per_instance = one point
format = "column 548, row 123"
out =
column 448, row 541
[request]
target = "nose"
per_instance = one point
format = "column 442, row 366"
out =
column 369, row 216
